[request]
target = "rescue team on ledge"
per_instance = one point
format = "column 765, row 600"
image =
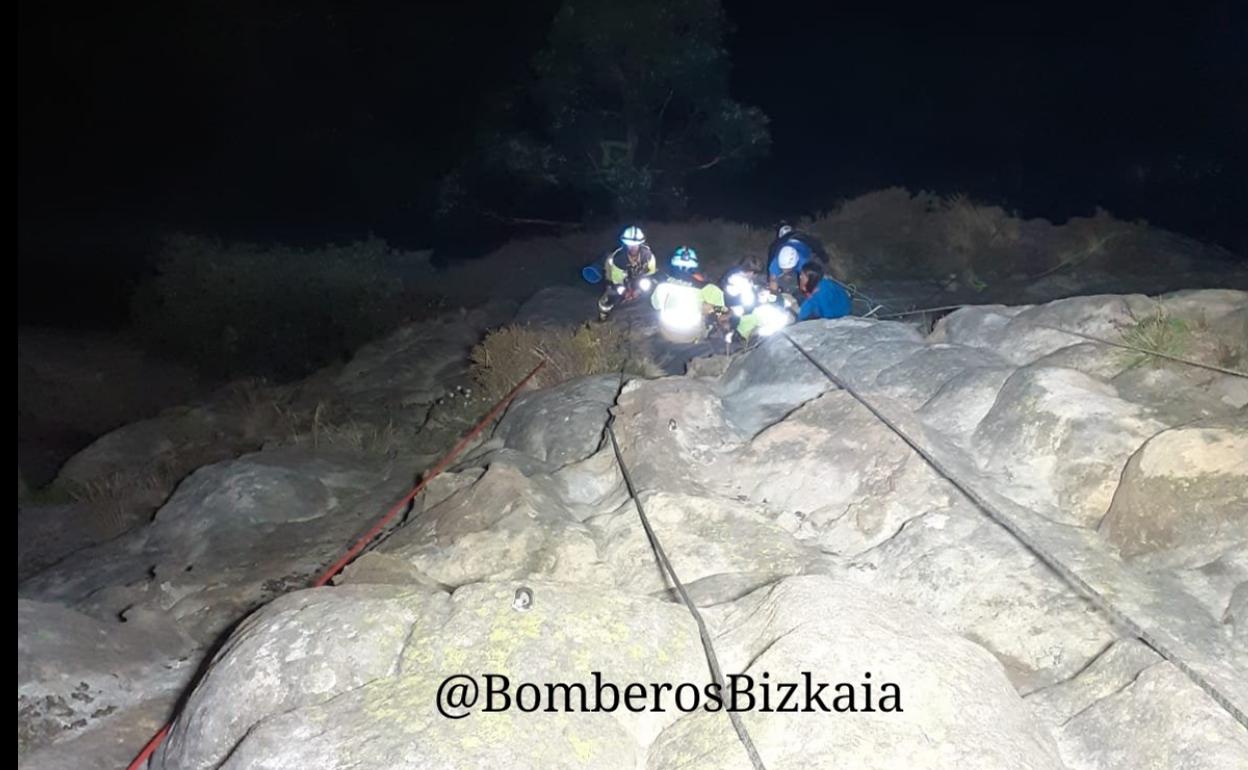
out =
column 745, row 302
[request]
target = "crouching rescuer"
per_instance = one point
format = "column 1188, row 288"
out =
column 685, row 300
column 624, row 269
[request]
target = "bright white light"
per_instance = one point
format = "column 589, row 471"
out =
column 740, row 286
column 680, row 318
column 645, row 284
column 682, row 310
column 771, row 319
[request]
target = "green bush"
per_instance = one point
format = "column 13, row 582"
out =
column 235, row 309
column 1222, row 343
column 1159, row 332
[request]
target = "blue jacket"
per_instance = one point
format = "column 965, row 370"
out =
column 803, row 256
column 829, row 300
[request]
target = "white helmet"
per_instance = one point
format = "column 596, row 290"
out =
column 632, row 236
column 787, row 257
column 783, row 231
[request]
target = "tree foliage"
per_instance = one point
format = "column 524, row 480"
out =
column 628, row 102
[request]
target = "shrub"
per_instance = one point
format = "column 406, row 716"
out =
column 506, row 355
column 1160, row 333
column 1222, row 343
column 281, row 312
column 125, row 499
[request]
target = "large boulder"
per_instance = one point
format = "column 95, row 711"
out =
column 304, row 649
column 504, row 525
column 673, row 433
column 964, row 400
column 560, row 425
column 1058, row 440
column 771, row 380
column 75, row 672
column 917, row 378
column 344, row 677
column 835, row 475
column 1111, row 671
column 1181, row 394
column 1091, row 358
column 223, row 505
column 708, row 538
column 233, row 536
column 1213, row 584
column 1025, row 335
column 316, row 706
column 1207, row 304
column 986, row 585
column 148, row 445
column 1186, row 488
column 1159, row 719
column 954, row 706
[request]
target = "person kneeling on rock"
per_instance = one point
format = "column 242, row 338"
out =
column 631, row 262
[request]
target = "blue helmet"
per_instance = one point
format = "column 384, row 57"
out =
column 685, row 260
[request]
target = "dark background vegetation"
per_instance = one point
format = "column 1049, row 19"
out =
column 306, row 121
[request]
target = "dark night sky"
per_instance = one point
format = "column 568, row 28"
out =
column 314, row 119
column 1045, row 106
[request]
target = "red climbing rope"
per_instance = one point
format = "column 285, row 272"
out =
column 442, row 465
column 376, row 529
column 150, row 748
